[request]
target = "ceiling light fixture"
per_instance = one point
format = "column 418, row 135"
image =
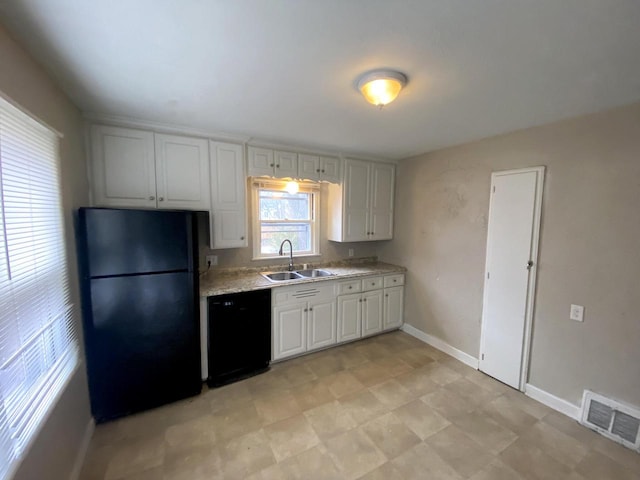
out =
column 381, row 87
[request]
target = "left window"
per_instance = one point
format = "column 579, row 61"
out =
column 38, row 344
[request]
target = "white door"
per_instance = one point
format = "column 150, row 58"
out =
column 228, row 196
column 123, row 167
column 371, row 312
column 182, row 172
column 393, row 307
column 321, row 324
column 349, row 317
column 289, row 330
column 512, row 245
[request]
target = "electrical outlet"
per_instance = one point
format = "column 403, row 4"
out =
column 576, row 313
column 212, row 260
column 351, row 252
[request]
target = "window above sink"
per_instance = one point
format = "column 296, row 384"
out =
column 278, row 215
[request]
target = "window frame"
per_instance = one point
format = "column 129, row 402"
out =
column 280, row 186
column 27, row 401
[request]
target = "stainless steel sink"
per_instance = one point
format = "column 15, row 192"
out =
column 281, row 276
column 312, row 273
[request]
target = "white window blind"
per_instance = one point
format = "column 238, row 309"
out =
column 38, row 346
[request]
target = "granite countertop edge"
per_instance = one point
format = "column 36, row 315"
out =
column 216, row 283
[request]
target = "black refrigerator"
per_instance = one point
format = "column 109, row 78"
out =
column 139, row 286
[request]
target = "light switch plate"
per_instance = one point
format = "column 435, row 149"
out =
column 212, row 260
column 576, row 313
column 351, row 252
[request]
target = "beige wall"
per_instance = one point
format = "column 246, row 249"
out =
column 23, row 81
column 589, row 248
column 330, row 251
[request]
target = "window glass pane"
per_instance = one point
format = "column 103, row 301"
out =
column 273, row 235
column 284, row 206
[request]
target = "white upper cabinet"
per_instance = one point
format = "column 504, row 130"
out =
column 260, row 162
column 361, row 208
column 286, row 164
column 123, row 167
column 134, row 168
column 228, row 196
column 267, row 162
column 182, row 172
column 317, row 168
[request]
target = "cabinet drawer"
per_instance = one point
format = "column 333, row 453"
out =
column 394, row 280
column 351, row 286
column 302, row 293
column 371, row 283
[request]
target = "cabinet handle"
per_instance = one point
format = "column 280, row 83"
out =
column 161, row 199
column 323, row 170
column 350, row 287
column 241, row 238
column 373, row 284
column 305, row 309
column 395, row 280
column 272, row 164
column 317, row 170
column 152, row 197
column 386, row 294
column 277, row 166
column 360, row 300
column 310, row 309
column 364, row 299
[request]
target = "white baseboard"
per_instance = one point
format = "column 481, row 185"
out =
column 82, row 450
column 441, row 345
column 551, row 401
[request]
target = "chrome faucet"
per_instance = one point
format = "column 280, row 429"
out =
column 280, row 252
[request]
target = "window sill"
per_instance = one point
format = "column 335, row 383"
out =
column 284, row 257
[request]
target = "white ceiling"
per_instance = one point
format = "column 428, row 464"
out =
column 285, row 70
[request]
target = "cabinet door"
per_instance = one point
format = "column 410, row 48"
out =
column 182, row 172
column 289, row 331
column 309, row 167
column 260, row 162
column 371, row 312
column 382, row 186
column 286, row 164
column 349, row 317
column 393, row 307
column 321, row 324
column 330, row 169
column 123, row 167
column 228, row 196
column 356, row 201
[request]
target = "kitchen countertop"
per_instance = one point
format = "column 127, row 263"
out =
column 218, row 282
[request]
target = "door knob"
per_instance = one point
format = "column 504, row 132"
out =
column 161, row 199
column 529, row 264
column 152, row 197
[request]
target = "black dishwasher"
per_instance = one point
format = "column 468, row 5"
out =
column 239, row 336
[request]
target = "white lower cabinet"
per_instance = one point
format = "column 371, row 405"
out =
column 393, row 307
column 317, row 315
column 349, row 317
column 321, row 324
column 371, row 312
column 289, row 330
column 304, row 319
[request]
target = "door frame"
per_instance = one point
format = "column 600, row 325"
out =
column 531, row 284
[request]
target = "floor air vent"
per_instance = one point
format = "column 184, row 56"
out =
column 612, row 419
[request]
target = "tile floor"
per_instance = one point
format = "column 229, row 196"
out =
column 389, row 407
